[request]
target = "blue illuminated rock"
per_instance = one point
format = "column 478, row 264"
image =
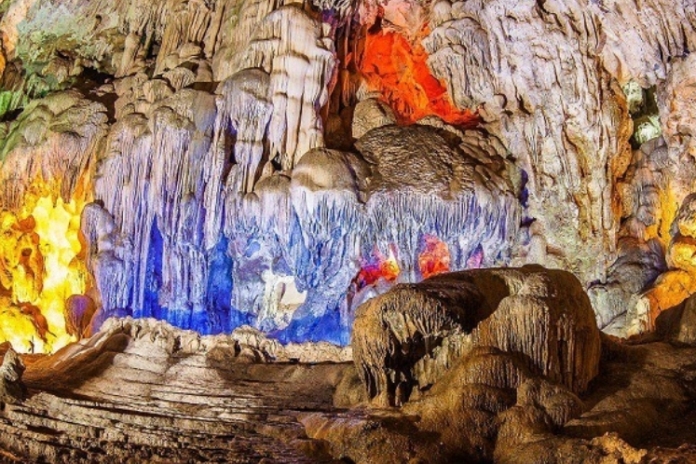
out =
column 188, row 244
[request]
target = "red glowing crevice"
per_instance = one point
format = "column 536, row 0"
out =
column 398, row 69
column 435, row 257
column 377, row 267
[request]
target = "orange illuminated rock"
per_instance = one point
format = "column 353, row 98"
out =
column 398, row 68
column 682, row 253
column 670, row 290
column 675, row 285
column 435, row 257
column 378, row 267
column 38, row 320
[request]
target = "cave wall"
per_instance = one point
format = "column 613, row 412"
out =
column 277, row 163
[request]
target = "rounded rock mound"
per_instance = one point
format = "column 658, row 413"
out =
column 410, row 336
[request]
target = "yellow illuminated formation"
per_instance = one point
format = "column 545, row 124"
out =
column 39, row 270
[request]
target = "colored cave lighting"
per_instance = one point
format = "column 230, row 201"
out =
column 396, row 67
column 435, row 257
column 378, row 267
column 39, row 270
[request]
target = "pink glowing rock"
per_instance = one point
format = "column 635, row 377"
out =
column 79, row 312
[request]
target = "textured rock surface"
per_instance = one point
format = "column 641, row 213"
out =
column 492, row 404
column 394, row 331
column 242, row 168
column 12, row 389
column 193, row 206
column 288, row 226
column 79, row 313
column 562, row 116
column 188, row 123
column 147, row 391
column 539, row 110
column 662, row 385
column 414, row 333
column 677, row 283
column 491, row 407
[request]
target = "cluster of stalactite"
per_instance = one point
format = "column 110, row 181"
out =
column 277, row 163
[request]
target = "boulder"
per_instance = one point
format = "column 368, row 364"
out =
column 394, row 331
column 414, row 333
column 370, row 114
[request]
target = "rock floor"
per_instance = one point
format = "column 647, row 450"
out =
column 190, row 409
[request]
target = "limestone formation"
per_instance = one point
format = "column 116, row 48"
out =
column 676, row 115
column 192, row 116
column 569, row 141
column 79, row 313
column 675, row 285
column 54, row 141
column 644, row 231
column 152, row 392
column 190, row 190
column 187, row 236
column 12, row 390
column 379, row 214
column 370, row 114
column 393, row 332
column 411, row 335
column 146, row 388
column 491, row 407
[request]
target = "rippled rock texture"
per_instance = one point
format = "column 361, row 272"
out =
column 414, row 333
column 142, row 390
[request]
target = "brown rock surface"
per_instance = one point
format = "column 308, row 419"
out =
column 425, row 328
column 142, row 391
column 482, row 403
column 12, row 390
column 686, row 329
column 490, row 407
